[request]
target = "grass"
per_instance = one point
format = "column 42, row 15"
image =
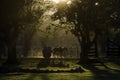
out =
column 91, row 72
column 32, row 64
column 57, row 76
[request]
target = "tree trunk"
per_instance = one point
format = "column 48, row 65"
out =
column 11, row 44
column 84, row 51
column 12, row 58
column 83, row 54
column 85, row 47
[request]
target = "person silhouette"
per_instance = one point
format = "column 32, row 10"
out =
column 47, row 52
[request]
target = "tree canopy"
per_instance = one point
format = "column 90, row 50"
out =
column 16, row 15
column 86, row 19
column 89, row 19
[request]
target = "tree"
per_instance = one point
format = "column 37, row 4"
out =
column 89, row 20
column 9, row 24
column 15, row 14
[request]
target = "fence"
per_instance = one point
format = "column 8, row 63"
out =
column 36, row 52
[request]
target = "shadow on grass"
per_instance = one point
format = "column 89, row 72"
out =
column 52, row 63
column 44, row 62
column 6, row 68
column 116, row 62
column 103, row 74
column 57, row 63
column 44, row 76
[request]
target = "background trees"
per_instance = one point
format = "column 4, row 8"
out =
column 10, row 25
column 85, row 19
column 89, row 18
column 16, row 15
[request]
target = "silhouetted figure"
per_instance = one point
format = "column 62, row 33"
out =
column 46, row 52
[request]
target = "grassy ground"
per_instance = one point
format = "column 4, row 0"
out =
column 96, row 72
column 57, row 76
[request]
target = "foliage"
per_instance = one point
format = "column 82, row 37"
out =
column 17, row 15
column 89, row 19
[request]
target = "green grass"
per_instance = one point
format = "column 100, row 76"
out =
column 91, row 72
column 32, row 64
column 57, row 76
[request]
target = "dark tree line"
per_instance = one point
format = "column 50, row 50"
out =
column 9, row 25
column 90, row 19
column 15, row 15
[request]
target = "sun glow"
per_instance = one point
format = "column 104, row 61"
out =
column 56, row 1
column 69, row 2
